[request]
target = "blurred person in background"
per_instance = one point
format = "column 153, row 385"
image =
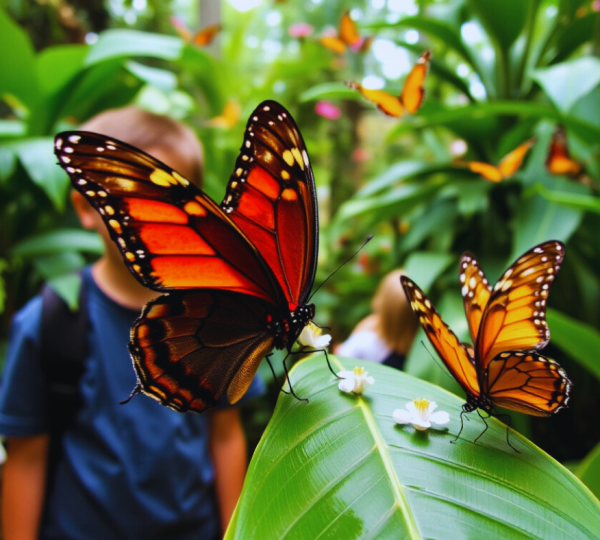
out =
column 387, row 334
column 134, row 471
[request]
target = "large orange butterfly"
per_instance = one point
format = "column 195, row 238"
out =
column 237, row 275
column 507, row 325
column 507, row 167
column 348, row 36
column 202, row 38
column 559, row 160
column 411, row 97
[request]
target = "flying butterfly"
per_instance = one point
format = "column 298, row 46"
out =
column 507, row 325
column 411, row 97
column 237, row 276
column 507, row 167
column 559, row 160
column 202, row 38
column 347, row 36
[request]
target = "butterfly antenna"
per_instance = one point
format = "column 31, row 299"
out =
column 437, row 362
column 340, row 266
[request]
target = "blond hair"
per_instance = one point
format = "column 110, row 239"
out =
column 396, row 323
column 148, row 131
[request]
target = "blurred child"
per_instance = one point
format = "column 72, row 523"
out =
column 134, row 471
column 386, row 335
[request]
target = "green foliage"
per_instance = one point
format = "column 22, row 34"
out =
column 338, row 466
column 589, row 471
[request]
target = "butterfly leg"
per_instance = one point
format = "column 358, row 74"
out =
column 268, row 359
column 508, row 423
column 137, row 389
column 486, row 426
column 461, row 426
column 287, row 377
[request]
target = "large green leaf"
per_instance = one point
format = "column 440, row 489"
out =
column 576, row 338
column 589, row 471
column 126, row 43
column 60, row 241
column 339, row 467
column 504, row 21
column 578, row 201
column 37, row 156
column 568, row 82
column 17, row 63
column 539, row 219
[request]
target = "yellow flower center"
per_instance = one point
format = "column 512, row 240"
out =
column 314, row 329
column 359, row 371
column 421, row 404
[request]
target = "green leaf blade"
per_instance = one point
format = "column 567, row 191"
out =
column 339, row 467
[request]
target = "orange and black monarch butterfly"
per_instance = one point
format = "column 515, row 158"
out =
column 411, row 97
column 202, row 38
column 507, row 167
column 559, row 160
column 507, row 326
column 348, row 36
column 237, row 275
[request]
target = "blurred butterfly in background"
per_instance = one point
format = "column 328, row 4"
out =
column 237, row 275
column 347, row 36
column 202, row 38
column 559, row 161
column 507, row 325
column 507, row 167
column 412, row 95
column 229, row 117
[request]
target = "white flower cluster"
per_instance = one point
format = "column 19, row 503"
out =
column 419, row 412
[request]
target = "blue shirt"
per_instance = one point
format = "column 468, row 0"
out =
column 138, row 470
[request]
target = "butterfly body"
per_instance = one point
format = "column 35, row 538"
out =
column 236, row 276
column 508, row 326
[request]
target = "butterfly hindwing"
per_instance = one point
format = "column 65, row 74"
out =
column 526, row 382
column 189, row 348
column 271, row 196
column 171, row 235
column 515, row 316
column 454, row 354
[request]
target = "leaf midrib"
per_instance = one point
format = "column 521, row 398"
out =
column 381, row 446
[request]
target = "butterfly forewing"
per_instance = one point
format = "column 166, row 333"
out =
column 453, row 353
column 515, row 317
column 512, row 162
column 348, row 32
column 526, row 382
column 171, row 235
column 413, row 92
column 271, row 197
column 559, row 161
column 189, row 348
column 475, row 292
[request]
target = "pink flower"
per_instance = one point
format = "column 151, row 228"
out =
column 596, row 5
column 300, row 30
column 327, row 110
column 360, row 154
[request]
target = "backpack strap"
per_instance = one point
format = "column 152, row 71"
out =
column 64, row 347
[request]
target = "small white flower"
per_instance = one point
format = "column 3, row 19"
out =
column 419, row 413
column 311, row 337
column 355, row 381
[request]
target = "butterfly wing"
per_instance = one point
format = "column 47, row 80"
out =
column 333, row 43
column 512, row 162
column 515, row 316
column 183, row 31
column 413, row 92
column 559, row 161
column 475, row 292
column 206, row 35
column 171, row 235
column 348, row 32
column 271, row 197
column 385, row 102
column 526, row 382
column 191, row 347
column 454, row 354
